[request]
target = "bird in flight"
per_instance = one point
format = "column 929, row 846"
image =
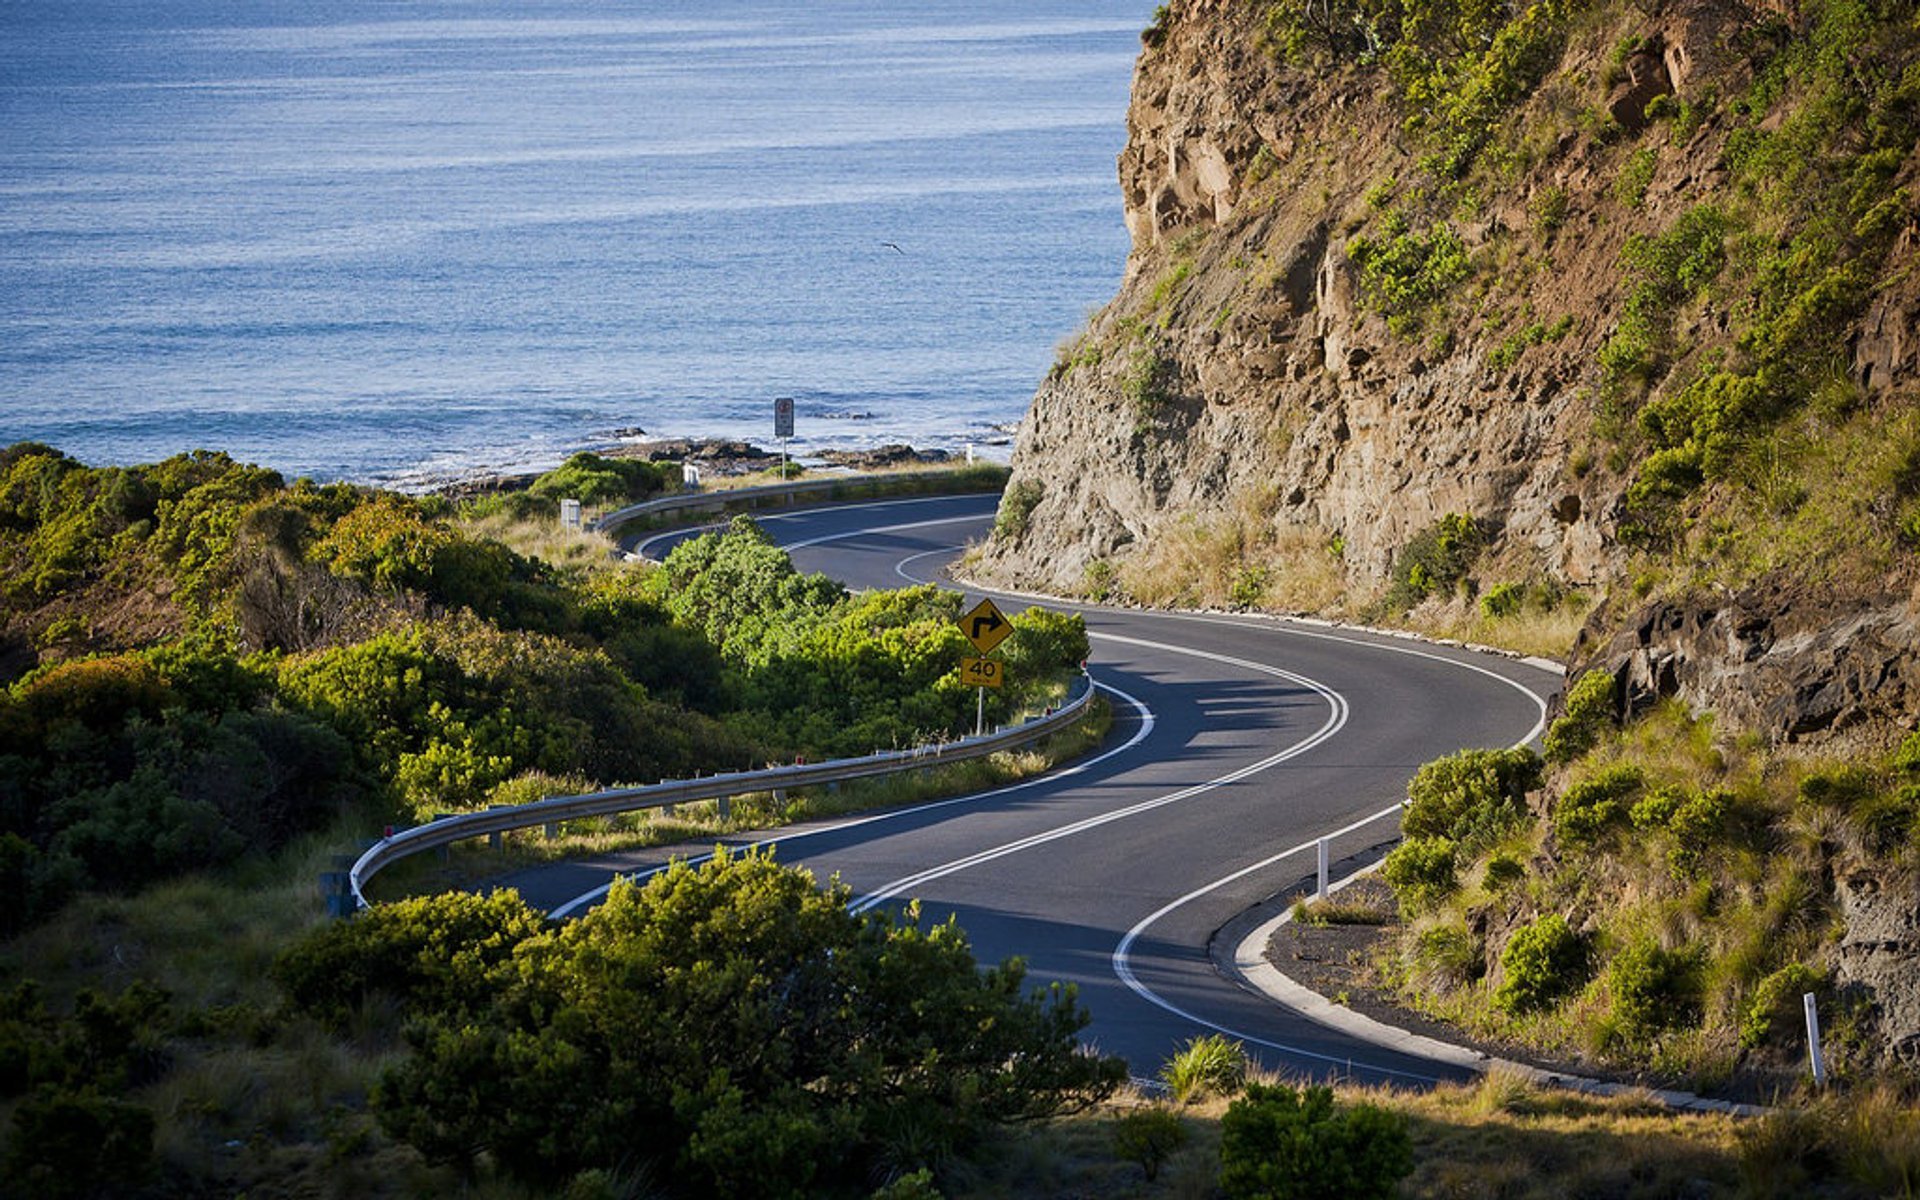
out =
column 893, row 246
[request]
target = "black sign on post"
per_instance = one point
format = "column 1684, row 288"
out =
column 783, row 417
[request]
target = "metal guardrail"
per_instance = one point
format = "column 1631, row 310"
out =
column 555, row 809
column 719, row 501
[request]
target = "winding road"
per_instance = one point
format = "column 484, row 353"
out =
column 1236, row 740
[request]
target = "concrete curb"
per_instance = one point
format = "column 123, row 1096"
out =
column 1239, row 949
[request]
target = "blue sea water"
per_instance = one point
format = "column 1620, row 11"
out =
column 409, row 241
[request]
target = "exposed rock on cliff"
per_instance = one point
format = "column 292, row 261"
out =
column 1434, row 313
column 1336, row 326
column 1781, row 659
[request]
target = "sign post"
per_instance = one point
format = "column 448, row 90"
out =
column 783, row 429
column 986, row 627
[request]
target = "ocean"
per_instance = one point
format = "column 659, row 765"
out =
column 412, row 242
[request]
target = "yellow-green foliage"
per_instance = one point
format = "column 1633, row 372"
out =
column 1405, row 271
column 734, row 1024
column 1457, row 68
column 1697, row 869
column 1816, row 144
column 344, row 644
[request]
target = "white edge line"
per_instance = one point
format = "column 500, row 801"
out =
column 640, row 548
column 1336, row 719
column 1147, row 723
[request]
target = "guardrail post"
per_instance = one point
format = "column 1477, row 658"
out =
column 553, row 830
column 725, row 808
column 337, row 887
column 1320, row 853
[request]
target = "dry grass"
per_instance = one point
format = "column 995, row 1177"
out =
column 1341, row 912
column 1240, row 559
column 1501, row 1138
column 547, row 541
column 1548, row 633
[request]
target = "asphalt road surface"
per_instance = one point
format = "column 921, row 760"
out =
column 1235, row 741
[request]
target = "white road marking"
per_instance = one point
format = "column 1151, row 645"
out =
column 640, row 548
column 1336, row 718
column 1147, row 723
column 1123, row 964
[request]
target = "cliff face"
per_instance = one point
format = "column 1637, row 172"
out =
column 1263, row 404
column 1605, row 311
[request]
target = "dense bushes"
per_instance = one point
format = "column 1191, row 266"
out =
column 71, row 1135
column 824, row 672
column 1278, row 1143
column 1542, row 962
column 1592, row 806
column 436, row 953
column 598, row 481
column 732, row 1023
column 1457, row 806
column 449, row 710
column 118, row 771
column 1457, row 67
column 332, row 643
column 1590, row 708
column 1653, row 988
column 1435, row 560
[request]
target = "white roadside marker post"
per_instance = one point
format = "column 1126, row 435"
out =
column 1321, row 855
column 1815, row 1058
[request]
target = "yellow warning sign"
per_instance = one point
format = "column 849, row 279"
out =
column 982, row 672
column 985, row 627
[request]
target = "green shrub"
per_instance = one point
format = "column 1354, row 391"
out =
column 1542, row 962
column 1776, row 1008
column 1472, row 797
column 1655, row 809
column 1503, row 871
column 740, row 1028
column 1630, row 186
column 915, row 1185
column 1421, row 871
column 1503, row 600
column 1435, row 560
column 1697, row 827
column 1155, row 34
column 1209, row 1065
column 1592, row 806
column 597, row 481
column 1653, row 989
column 1844, row 788
column 1278, row 1143
column 1148, row 1136
column 438, row 953
column 1148, row 384
column 1016, row 508
column 1906, row 758
column 1549, row 208
column 1403, row 273
column 1590, row 709
column 79, row 1144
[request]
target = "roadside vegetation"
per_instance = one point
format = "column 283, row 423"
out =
column 217, row 683
column 1654, row 897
